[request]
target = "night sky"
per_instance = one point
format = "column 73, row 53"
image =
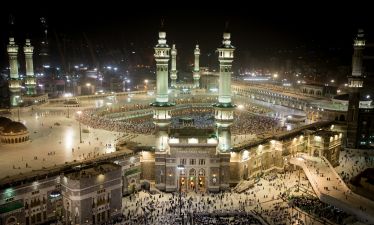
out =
column 256, row 29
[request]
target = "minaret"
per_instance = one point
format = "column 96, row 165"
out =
column 224, row 109
column 196, row 70
column 30, row 77
column 14, row 82
column 355, row 83
column 173, row 72
column 162, row 111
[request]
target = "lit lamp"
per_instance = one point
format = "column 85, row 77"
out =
column 80, row 130
column 88, row 85
column 109, row 106
column 146, row 84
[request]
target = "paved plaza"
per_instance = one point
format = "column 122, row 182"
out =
column 54, row 138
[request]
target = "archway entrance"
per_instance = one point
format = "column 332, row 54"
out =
column 131, row 187
column 192, row 180
column 245, row 172
column 201, row 180
column 183, row 180
column 11, row 221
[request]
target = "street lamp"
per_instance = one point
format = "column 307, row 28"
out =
column 88, row 85
column 146, row 84
column 180, row 167
column 67, row 95
column 109, row 106
column 80, row 130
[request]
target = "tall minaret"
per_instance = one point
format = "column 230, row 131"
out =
column 30, row 77
column 162, row 112
column 224, row 109
column 14, row 82
column 355, row 83
column 173, row 72
column 196, row 70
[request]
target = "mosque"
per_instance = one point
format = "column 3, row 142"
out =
column 203, row 159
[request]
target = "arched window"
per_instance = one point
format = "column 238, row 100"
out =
column 201, row 172
column 192, row 172
column 11, row 220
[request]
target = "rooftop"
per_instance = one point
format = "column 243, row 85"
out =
column 92, row 170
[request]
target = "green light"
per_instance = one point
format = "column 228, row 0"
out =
column 9, row 192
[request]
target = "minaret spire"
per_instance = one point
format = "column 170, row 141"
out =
column 196, row 71
column 173, row 72
column 30, row 77
column 355, row 83
column 162, row 109
column 224, row 108
column 14, row 82
column 162, row 106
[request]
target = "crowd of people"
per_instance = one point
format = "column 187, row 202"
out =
column 322, row 210
column 352, row 163
column 232, row 218
column 139, row 125
column 245, row 122
column 165, row 209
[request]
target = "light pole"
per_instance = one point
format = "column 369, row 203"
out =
column 109, row 104
column 88, row 85
column 146, row 85
column 18, row 114
column 298, row 186
column 80, row 130
column 180, row 167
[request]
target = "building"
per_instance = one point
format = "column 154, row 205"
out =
column 92, row 194
column 31, row 201
column 251, row 161
column 75, row 194
column 366, row 128
column 318, row 90
column 193, row 161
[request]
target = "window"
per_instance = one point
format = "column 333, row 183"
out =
column 100, row 191
column 183, row 161
column 192, row 161
column 201, row 161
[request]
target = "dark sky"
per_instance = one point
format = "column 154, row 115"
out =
column 255, row 28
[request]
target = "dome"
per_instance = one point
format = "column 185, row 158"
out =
column 15, row 127
column 4, row 121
